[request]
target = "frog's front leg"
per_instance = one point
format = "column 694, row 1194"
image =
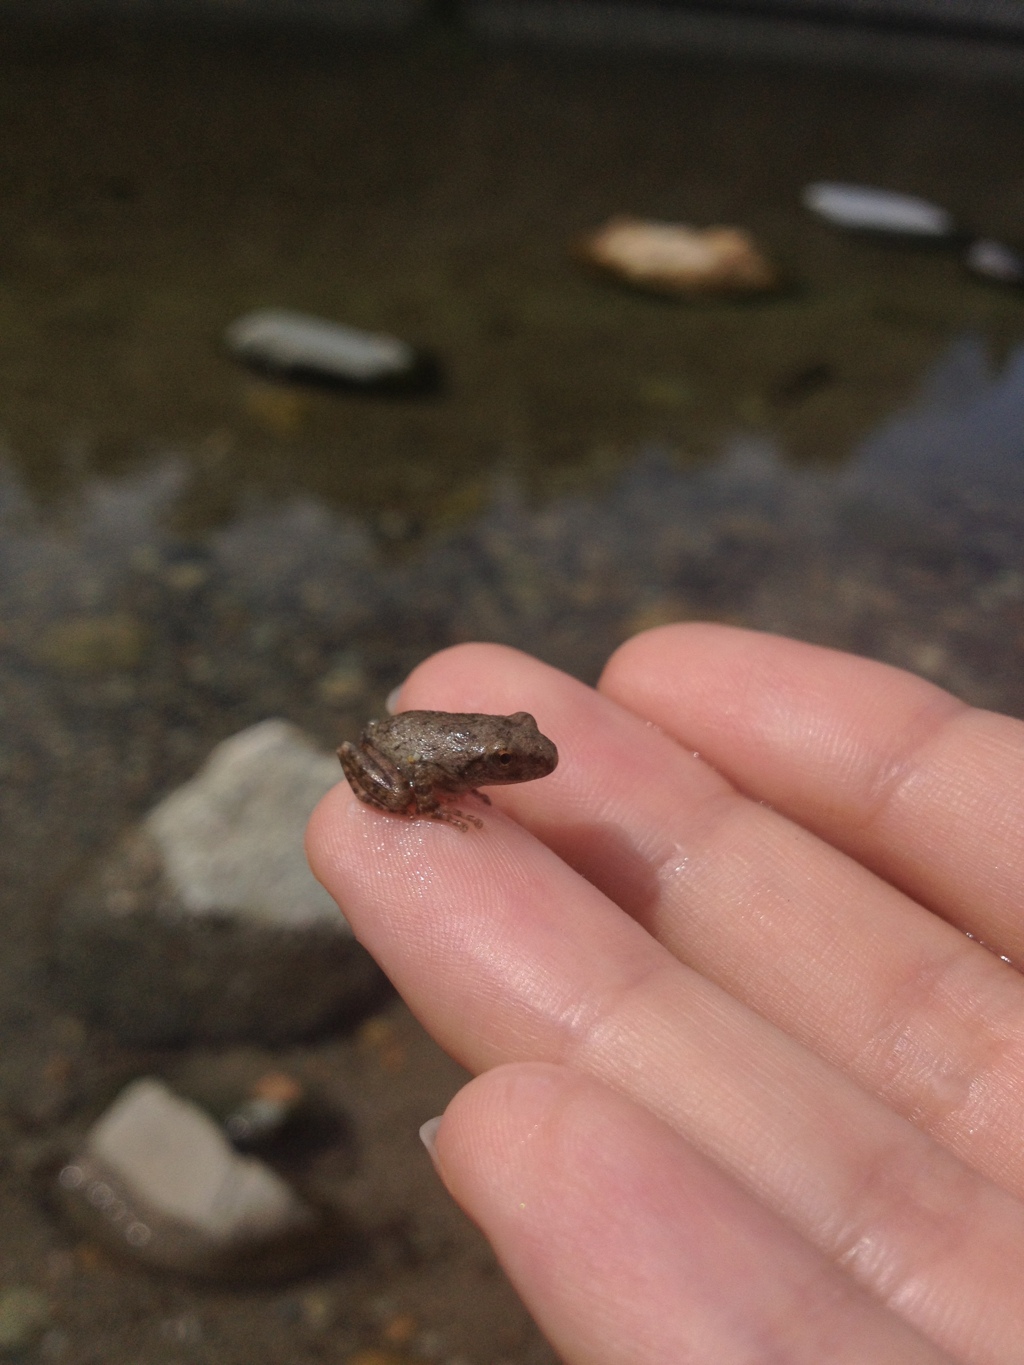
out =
column 375, row 779
column 458, row 818
column 428, row 804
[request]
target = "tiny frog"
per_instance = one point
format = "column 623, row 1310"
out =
column 411, row 762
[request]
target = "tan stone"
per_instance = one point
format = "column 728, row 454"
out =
column 672, row 258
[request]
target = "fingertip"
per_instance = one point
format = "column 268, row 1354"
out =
column 505, row 1102
column 501, row 1137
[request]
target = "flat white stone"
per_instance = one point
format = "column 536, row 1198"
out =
column 277, row 339
column 232, row 837
column 867, row 209
column 174, row 1160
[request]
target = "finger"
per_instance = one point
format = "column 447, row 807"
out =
column 631, row 1249
column 506, row 954
column 800, row 932
column 923, row 789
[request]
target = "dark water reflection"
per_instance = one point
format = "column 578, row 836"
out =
column 956, row 456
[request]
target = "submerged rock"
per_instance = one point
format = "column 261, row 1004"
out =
column 863, row 208
column 157, row 1181
column 298, row 346
column 995, row 261
column 672, row 258
column 205, row 923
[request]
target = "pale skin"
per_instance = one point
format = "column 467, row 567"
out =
column 747, row 1092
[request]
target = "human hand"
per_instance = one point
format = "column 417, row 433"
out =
column 750, row 1093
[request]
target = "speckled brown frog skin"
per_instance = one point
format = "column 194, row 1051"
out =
column 413, row 762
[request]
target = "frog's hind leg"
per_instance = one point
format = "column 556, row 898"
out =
column 375, row 779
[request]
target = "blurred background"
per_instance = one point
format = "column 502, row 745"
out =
column 208, row 1098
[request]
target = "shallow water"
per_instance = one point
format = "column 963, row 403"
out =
column 185, row 549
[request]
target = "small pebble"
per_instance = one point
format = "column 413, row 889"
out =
column 995, row 261
column 664, row 391
column 24, row 1317
column 430, row 1344
column 271, row 1102
column 186, row 575
column 54, row 1344
column 384, row 1307
column 372, row 1356
column 93, row 644
column 60, row 1265
column 379, row 1036
column 186, row 1330
column 278, row 409
column 318, row 1310
column 346, row 683
column 400, row 1330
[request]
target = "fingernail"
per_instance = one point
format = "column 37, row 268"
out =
column 391, row 701
column 428, row 1136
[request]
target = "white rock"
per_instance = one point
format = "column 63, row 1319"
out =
column 175, row 1160
column 157, row 1179
column 866, row 209
column 297, row 344
column 204, row 923
column 231, row 838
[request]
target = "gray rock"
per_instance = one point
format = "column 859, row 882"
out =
column 231, row 839
column 204, row 923
column 157, row 1180
column 298, row 346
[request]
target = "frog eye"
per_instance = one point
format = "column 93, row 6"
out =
column 504, row 757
